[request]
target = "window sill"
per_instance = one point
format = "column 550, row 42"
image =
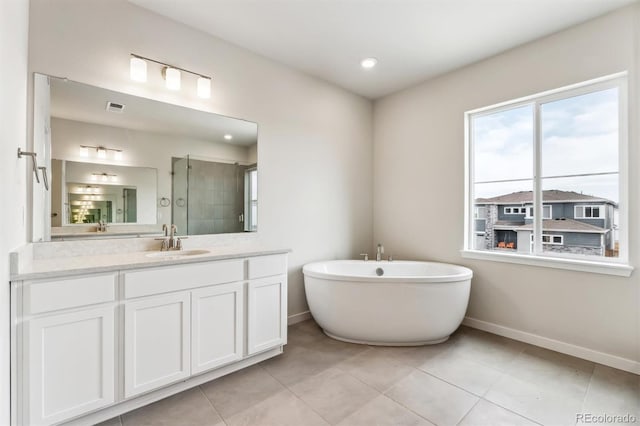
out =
column 619, row 269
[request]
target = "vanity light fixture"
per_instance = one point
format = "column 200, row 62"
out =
column 171, row 74
column 104, row 177
column 101, row 151
column 138, row 69
column 368, row 63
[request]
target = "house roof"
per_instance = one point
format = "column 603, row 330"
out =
column 564, row 225
column 549, row 196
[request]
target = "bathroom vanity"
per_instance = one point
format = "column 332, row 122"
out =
column 94, row 338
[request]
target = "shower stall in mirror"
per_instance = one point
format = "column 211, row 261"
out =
column 213, row 197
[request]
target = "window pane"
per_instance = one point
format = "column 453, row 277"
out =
column 580, row 134
column 503, row 145
column 585, row 211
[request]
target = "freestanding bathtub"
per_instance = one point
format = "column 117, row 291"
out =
column 398, row 303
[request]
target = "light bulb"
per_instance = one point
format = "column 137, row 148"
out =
column 94, row 177
column 84, row 151
column 172, row 76
column 105, row 178
column 228, row 137
column 102, row 153
column 118, row 155
column 368, row 63
column 204, row 87
column 138, row 69
column 114, row 178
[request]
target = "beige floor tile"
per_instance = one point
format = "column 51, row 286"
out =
column 432, row 398
column 613, row 392
column 543, row 403
column 296, row 364
column 240, row 390
column 304, row 333
column 335, row 350
column 542, row 366
column 188, row 408
column 382, row 411
column 375, row 369
column 334, row 394
column 111, row 422
column 488, row 414
column 464, row 372
column 494, row 351
column 282, row 409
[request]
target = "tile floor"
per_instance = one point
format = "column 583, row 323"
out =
column 475, row 378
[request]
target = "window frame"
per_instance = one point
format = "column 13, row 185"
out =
column 551, row 237
column 601, row 211
column 530, row 216
column 613, row 266
column 517, row 208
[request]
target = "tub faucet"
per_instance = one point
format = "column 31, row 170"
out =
column 379, row 252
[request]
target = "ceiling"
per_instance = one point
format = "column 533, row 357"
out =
column 413, row 40
column 82, row 102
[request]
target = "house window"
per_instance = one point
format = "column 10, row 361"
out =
column 515, row 210
column 562, row 147
column 552, row 239
column 588, row 212
column 546, row 212
column 480, row 212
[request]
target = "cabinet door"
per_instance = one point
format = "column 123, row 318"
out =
column 267, row 305
column 156, row 342
column 216, row 326
column 71, row 365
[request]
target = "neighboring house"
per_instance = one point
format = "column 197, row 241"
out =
column 572, row 223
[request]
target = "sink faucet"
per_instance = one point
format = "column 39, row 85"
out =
column 170, row 241
column 379, row 252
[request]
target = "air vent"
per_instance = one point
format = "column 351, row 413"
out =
column 115, row 107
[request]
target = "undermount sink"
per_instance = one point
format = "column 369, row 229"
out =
column 176, row 254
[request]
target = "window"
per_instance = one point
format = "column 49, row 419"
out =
column 251, row 199
column 480, row 212
column 588, row 212
column 546, row 212
column 553, row 152
column 515, row 210
column 550, row 239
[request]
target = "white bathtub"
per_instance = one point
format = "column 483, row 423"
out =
column 412, row 303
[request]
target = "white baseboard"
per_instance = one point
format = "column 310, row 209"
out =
column 296, row 318
column 556, row 345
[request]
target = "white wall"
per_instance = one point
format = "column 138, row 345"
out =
column 419, row 185
column 14, row 27
column 315, row 140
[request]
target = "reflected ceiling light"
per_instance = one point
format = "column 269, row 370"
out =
column 84, row 151
column 105, row 177
column 368, row 63
column 118, row 155
column 170, row 73
column 138, row 69
column 102, row 153
column 172, row 78
column 204, row 87
column 228, row 137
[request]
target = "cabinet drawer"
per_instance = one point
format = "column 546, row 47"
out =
column 266, row 266
column 46, row 296
column 175, row 278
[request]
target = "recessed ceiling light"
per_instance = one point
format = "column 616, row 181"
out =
column 228, row 137
column 368, row 63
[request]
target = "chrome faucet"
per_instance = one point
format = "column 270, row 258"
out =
column 379, row 252
column 170, row 241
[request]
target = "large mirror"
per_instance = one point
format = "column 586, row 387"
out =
column 134, row 164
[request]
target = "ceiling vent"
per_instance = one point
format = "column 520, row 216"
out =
column 115, row 107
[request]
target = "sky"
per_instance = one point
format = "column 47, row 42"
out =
column 579, row 136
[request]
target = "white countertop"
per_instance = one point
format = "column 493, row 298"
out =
column 79, row 265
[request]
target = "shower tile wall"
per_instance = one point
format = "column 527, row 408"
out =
column 216, row 197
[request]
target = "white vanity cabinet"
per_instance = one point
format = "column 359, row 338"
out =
column 90, row 347
column 68, row 346
column 156, row 342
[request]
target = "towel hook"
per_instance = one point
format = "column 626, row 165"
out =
column 21, row 153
